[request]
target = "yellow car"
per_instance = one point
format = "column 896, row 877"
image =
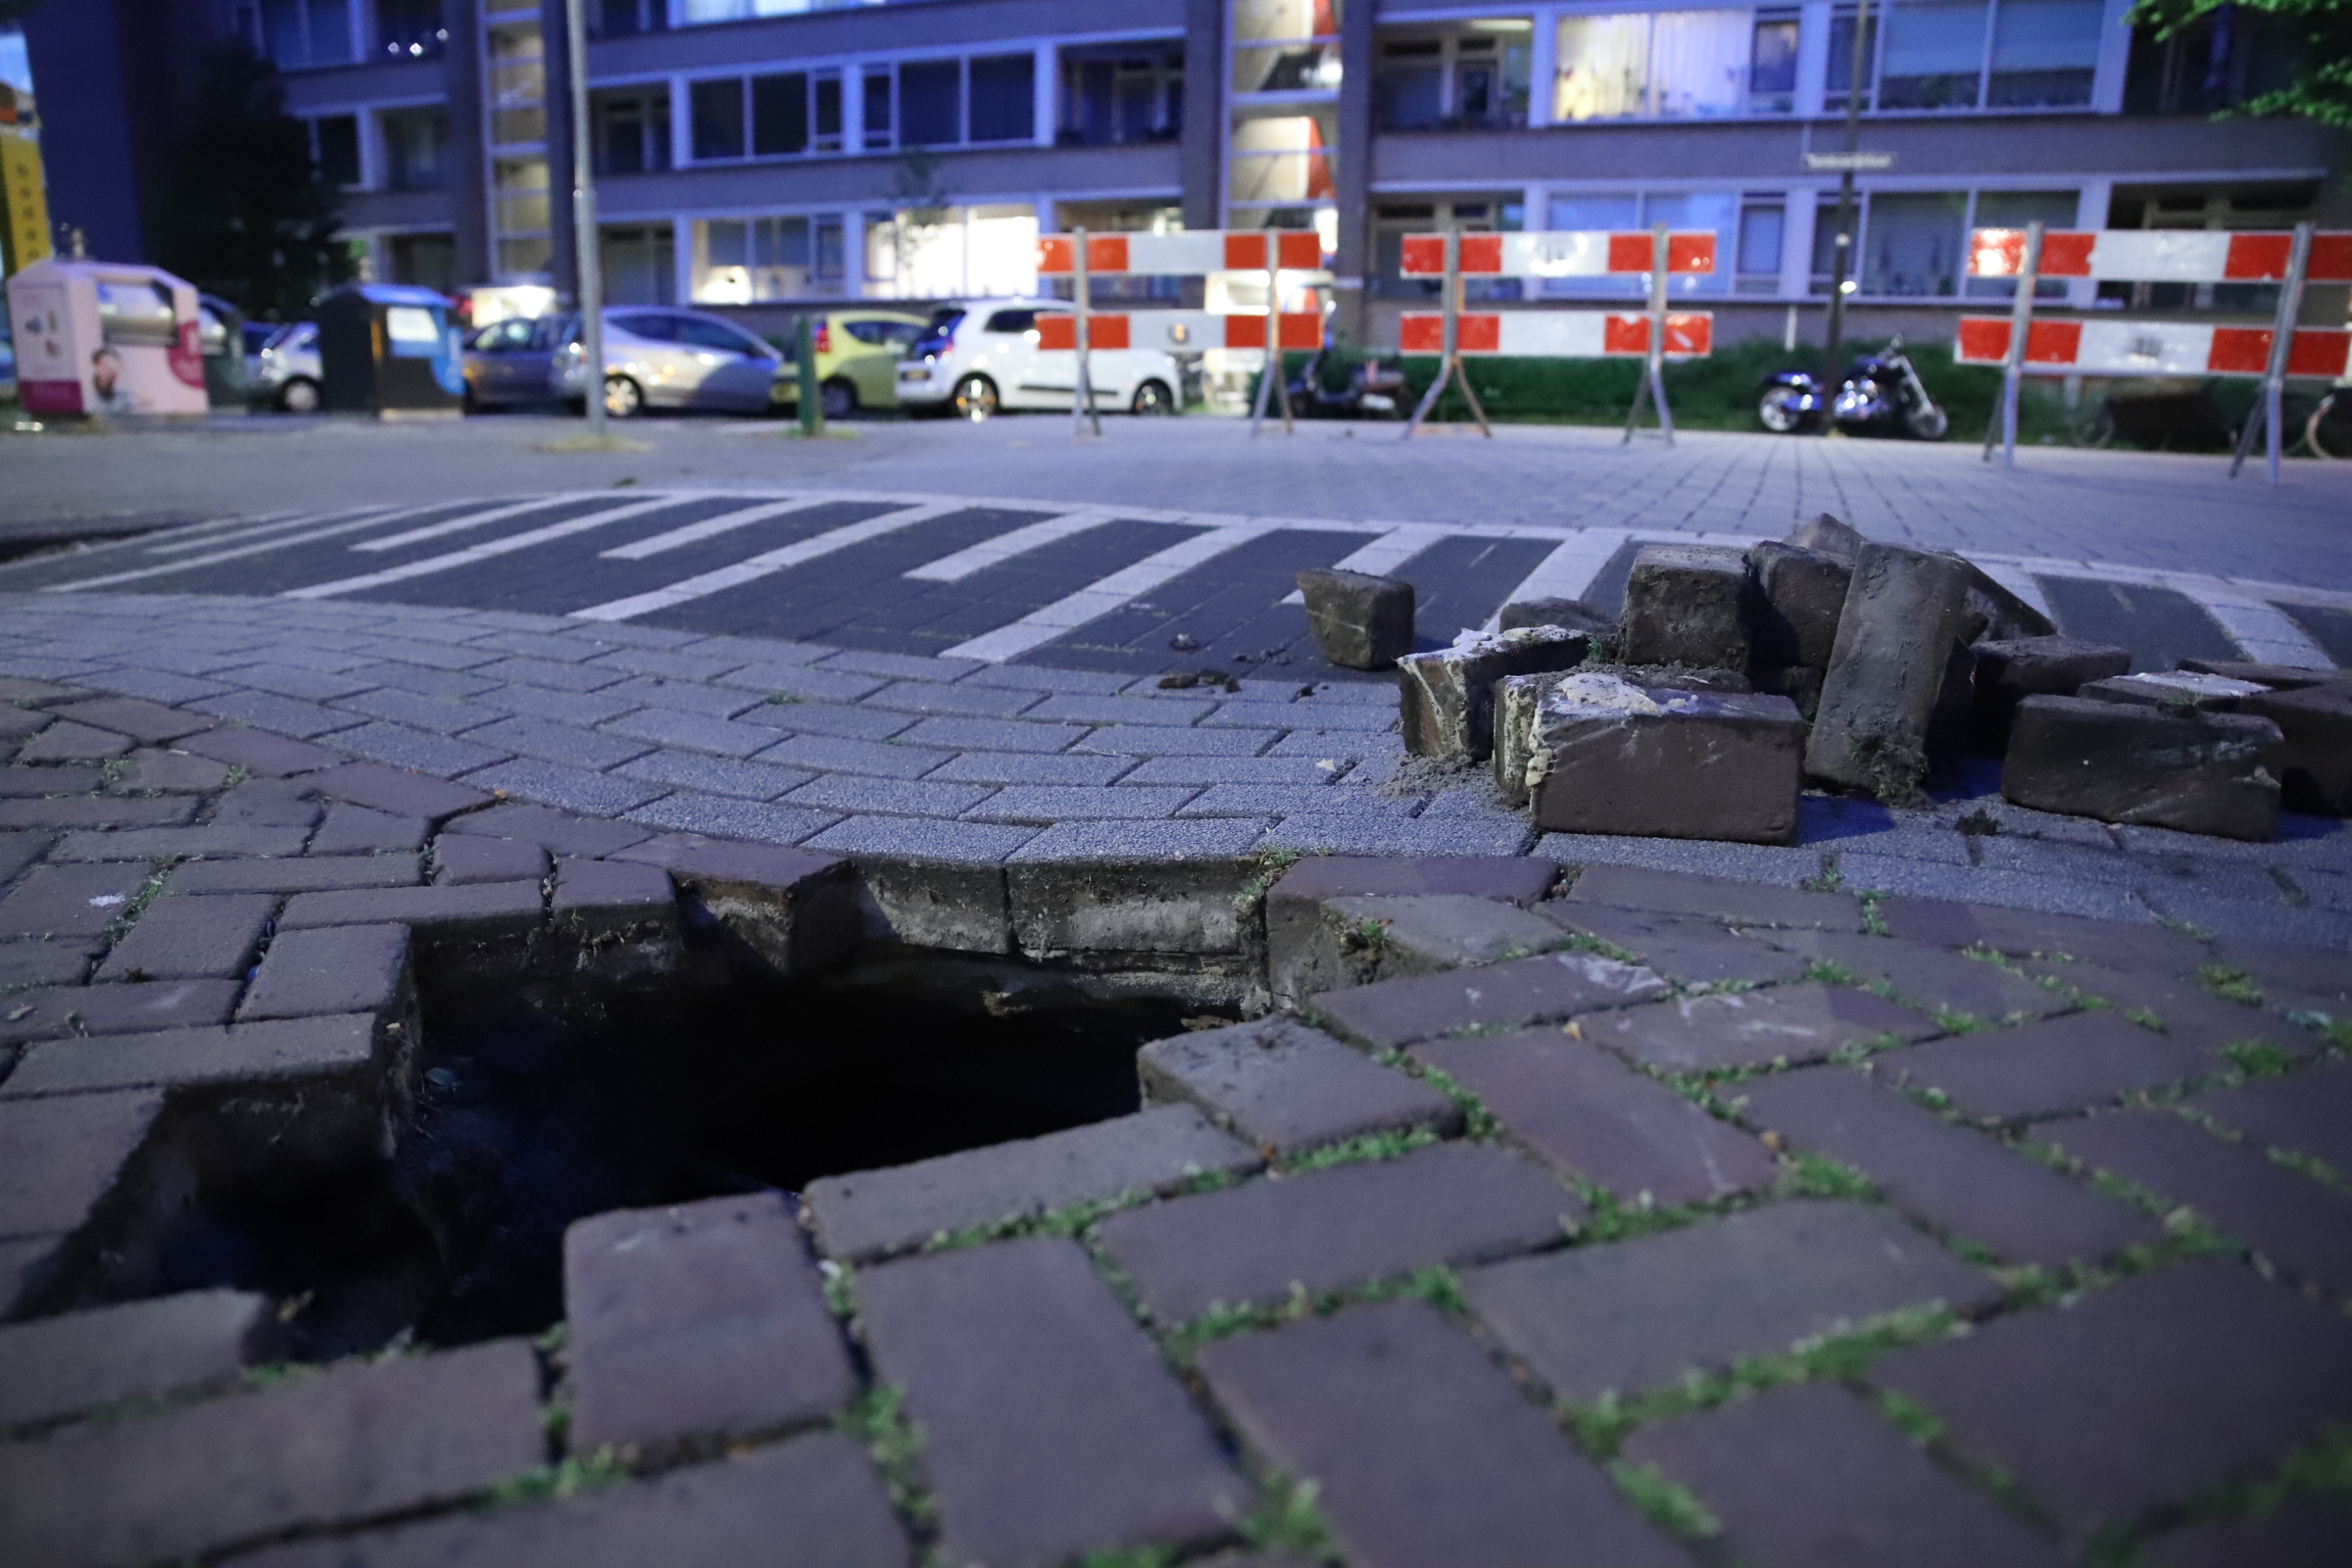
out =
column 857, row 353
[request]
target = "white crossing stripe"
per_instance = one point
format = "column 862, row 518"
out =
column 995, row 552
column 2267, row 634
column 1098, row 599
column 2018, row 581
column 1385, row 554
column 283, row 542
column 485, row 550
column 215, row 534
column 767, row 564
column 1568, row 571
column 713, row 527
column 481, row 519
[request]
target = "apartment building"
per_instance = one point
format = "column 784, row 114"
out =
column 756, row 153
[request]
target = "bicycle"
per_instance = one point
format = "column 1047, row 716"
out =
column 2328, row 433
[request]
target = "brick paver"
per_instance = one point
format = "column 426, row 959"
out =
column 2146, row 1392
column 1286, row 1087
column 1423, row 1451
column 1811, row 1477
column 2046, row 1069
column 1053, row 1426
column 1753, row 1028
column 1635, row 1314
column 1578, row 1109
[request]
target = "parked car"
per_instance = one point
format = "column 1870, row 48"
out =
column 858, row 355
column 980, row 355
column 288, row 376
column 221, row 333
column 664, row 357
column 509, row 362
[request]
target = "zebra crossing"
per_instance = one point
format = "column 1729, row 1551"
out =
column 996, row 580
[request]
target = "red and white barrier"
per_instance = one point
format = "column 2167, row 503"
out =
column 1187, row 252
column 1176, row 331
column 1561, row 253
column 2152, row 348
column 1557, row 334
column 2023, row 346
column 2161, row 255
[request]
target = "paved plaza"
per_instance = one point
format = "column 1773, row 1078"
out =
column 1961, row 1184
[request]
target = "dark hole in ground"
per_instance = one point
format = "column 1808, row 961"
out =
column 534, row 1110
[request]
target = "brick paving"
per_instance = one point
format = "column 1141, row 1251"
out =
column 1732, row 1227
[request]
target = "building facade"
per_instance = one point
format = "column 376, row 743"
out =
column 753, row 153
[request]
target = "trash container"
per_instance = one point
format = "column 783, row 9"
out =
column 391, row 351
column 104, row 337
column 221, row 335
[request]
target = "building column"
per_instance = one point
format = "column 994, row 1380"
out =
column 1542, row 69
column 1204, row 70
column 1352, row 184
column 469, row 141
column 1047, row 88
column 562, row 262
column 1813, row 56
column 1797, row 220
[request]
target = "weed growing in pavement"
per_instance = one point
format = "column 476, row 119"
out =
column 1436, row 1284
column 781, row 699
column 1830, row 880
column 1364, row 936
column 1476, row 1121
column 1603, row 1425
column 878, row 1419
column 1586, row 942
column 568, row 1477
column 126, row 916
column 1271, row 864
column 1910, row 1418
column 2231, row 983
column 841, row 1289
column 1874, row 919
column 552, row 1339
column 1819, row 1176
column 1666, row 1502
column 239, row 773
column 2259, row 1059
column 1071, row 1219
column 1287, row 1519
column 1362, row 1149
column 1855, row 1050
column 1129, row 1558
column 1836, row 974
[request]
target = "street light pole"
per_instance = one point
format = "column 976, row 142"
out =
column 1845, row 205
column 583, row 219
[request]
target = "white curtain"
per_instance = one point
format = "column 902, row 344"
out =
column 1603, row 68
column 1698, row 62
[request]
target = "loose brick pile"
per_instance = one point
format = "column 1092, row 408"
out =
column 1598, row 1215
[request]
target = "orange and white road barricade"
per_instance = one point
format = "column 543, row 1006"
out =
column 1654, row 336
column 2096, row 346
column 1188, row 253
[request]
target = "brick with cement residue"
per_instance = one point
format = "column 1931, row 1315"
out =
column 869, row 1213
column 1447, row 698
column 702, row 1320
column 1052, row 1427
column 62, row 1367
column 351, row 1443
column 1294, row 904
column 1284, row 1086
column 1609, row 756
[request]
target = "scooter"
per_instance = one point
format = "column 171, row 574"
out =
column 1374, row 391
column 1881, row 395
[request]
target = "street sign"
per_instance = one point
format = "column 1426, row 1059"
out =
column 1841, row 163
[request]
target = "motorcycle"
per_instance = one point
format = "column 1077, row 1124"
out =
column 1374, row 391
column 1881, row 394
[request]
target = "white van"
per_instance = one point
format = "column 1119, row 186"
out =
column 980, row 355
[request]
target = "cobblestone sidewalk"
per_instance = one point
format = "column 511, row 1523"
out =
column 993, row 766
column 1606, row 1215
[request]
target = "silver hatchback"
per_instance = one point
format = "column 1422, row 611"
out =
column 669, row 358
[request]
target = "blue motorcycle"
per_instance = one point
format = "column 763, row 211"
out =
column 1881, row 395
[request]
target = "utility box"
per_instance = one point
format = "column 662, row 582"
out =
column 389, row 350
column 106, row 337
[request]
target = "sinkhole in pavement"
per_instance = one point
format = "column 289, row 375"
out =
column 536, row 1105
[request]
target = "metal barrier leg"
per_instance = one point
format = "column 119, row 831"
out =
column 1083, row 414
column 2266, row 407
column 1448, row 345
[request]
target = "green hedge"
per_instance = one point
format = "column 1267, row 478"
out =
column 1717, row 393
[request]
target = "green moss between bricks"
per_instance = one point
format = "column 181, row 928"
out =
column 878, row 1419
column 1435, row 1283
column 1668, row 1502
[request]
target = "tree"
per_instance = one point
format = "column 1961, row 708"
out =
column 248, row 217
column 2321, row 86
column 919, row 206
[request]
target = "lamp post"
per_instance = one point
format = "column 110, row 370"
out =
column 583, row 219
column 1845, row 204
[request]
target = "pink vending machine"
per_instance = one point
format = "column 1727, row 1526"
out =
column 103, row 337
